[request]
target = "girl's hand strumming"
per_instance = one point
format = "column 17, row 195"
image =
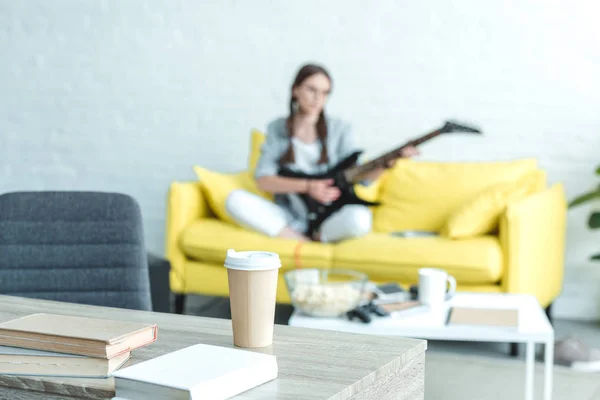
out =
column 322, row 191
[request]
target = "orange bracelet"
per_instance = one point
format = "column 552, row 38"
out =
column 297, row 262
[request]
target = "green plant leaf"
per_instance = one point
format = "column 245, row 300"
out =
column 594, row 221
column 584, row 198
column 598, row 170
column 595, row 258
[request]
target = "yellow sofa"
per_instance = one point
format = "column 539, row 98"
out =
column 522, row 250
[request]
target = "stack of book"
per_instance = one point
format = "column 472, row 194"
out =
column 65, row 346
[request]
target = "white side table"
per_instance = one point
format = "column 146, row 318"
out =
column 533, row 328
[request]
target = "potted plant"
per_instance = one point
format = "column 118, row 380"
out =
column 594, row 220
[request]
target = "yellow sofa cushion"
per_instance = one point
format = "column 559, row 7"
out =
column 421, row 195
column 385, row 257
column 480, row 215
column 257, row 138
column 370, row 192
column 208, row 240
column 217, row 186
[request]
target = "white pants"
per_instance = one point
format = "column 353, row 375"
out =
column 264, row 216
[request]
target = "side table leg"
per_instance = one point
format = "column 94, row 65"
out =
column 514, row 349
column 548, row 366
column 529, row 364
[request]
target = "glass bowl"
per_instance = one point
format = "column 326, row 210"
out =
column 325, row 292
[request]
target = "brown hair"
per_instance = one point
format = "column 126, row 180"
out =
column 305, row 72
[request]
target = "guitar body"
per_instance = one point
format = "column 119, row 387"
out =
column 319, row 212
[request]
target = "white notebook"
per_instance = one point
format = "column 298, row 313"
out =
column 196, row 372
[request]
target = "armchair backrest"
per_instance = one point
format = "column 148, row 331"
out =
column 80, row 247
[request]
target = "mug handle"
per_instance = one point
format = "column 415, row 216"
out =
column 452, row 289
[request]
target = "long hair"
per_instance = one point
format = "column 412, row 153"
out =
column 305, row 72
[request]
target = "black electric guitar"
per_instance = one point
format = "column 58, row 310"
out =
column 347, row 173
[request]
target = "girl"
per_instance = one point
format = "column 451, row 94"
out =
column 311, row 142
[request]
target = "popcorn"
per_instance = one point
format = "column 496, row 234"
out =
column 325, row 300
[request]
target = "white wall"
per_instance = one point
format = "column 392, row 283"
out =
column 127, row 96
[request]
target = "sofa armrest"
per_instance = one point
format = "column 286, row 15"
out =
column 532, row 234
column 185, row 204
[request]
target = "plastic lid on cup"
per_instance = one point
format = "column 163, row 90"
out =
column 252, row 260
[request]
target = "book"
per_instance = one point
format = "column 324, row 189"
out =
column 508, row 317
column 196, row 372
column 404, row 308
column 92, row 337
column 20, row 361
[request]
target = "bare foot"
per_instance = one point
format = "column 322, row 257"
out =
column 289, row 233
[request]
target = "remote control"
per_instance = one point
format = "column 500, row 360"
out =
column 375, row 309
column 359, row 313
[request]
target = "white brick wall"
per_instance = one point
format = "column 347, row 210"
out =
column 126, row 96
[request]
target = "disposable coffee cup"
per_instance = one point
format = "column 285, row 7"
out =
column 252, row 277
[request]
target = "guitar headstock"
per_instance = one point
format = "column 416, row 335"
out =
column 454, row 126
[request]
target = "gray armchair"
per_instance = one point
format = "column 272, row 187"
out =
column 79, row 247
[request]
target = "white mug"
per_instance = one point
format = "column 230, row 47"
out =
column 433, row 286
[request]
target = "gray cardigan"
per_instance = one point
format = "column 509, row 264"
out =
column 340, row 144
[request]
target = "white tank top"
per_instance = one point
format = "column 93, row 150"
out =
column 306, row 158
column 306, row 155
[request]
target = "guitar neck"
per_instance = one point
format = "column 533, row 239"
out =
column 356, row 174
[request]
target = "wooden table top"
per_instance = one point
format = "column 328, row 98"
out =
column 312, row 363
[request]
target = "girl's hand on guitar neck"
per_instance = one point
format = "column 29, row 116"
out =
column 406, row 152
column 322, row 191
column 410, row 151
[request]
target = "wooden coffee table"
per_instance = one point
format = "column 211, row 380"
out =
column 533, row 328
column 312, row 364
